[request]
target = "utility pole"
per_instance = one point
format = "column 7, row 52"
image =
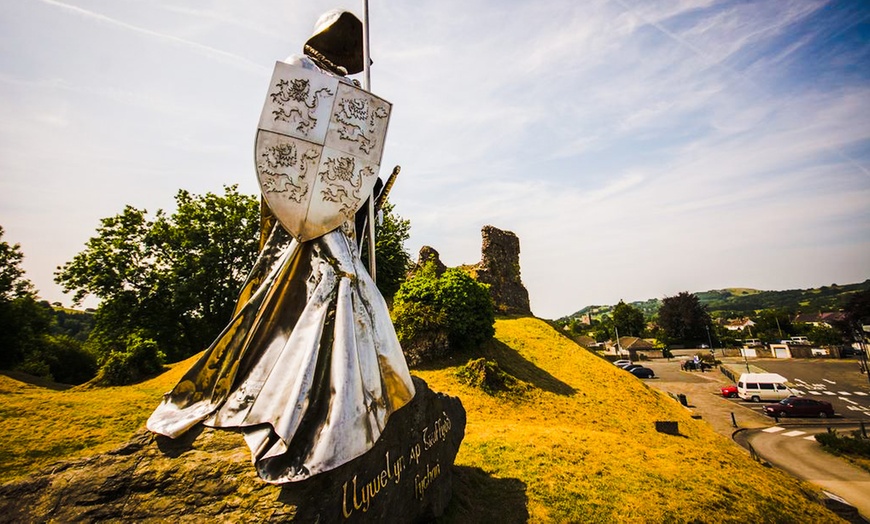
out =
column 367, row 85
column 618, row 347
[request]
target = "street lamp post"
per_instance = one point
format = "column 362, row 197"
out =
column 710, row 341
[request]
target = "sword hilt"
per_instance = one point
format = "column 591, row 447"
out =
column 382, row 197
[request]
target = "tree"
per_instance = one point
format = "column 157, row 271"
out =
column 173, row 279
column 12, row 282
column 628, row 320
column 393, row 262
column 22, row 321
column 683, row 320
column 773, row 325
column 26, row 340
column 857, row 315
column 451, row 311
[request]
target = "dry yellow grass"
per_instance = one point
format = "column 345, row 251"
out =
column 42, row 426
column 578, row 446
column 583, row 444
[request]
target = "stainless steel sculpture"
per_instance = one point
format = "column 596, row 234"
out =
column 309, row 368
column 318, row 149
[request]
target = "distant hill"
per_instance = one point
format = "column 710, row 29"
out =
column 746, row 300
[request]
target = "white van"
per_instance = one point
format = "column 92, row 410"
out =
column 756, row 387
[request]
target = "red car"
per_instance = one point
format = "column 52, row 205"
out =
column 800, row 407
column 729, row 391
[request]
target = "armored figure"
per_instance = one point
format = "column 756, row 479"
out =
column 309, row 367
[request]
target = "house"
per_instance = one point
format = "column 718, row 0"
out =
column 739, row 324
column 820, row 319
column 634, row 345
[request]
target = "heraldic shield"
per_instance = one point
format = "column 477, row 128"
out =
column 318, row 149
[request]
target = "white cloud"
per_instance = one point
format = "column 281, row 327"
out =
column 637, row 148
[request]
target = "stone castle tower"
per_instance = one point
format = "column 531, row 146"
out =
column 499, row 267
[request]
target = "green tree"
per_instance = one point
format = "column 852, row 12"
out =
column 628, row 320
column 773, row 325
column 22, row 320
column 393, row 262
column 824, row 336
column 602, row 329
column 682, row 319
column 857, row 315
column 13, row 284
column 452, row 303
column 172, row 279
column 26, row 342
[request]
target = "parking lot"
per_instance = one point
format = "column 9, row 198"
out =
column 703, row 396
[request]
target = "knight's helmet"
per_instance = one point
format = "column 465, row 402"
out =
column 337, row 38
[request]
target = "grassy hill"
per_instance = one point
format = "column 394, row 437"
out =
column 576, row 444
column 746, row 300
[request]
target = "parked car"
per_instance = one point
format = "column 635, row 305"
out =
column 620, row 363
column 847, row 352
column 756, row 387
column 631, row 367
column 729, row 391
column 800, row 407
column 642, row 372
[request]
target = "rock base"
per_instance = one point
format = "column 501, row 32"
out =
column 207, row 475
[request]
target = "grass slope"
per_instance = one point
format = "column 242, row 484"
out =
column 579, row 445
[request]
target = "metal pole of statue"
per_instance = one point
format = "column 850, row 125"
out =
column 367, row 77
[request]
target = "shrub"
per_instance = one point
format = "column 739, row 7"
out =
column 430, row 309
column 140, row 359
column 422, row 330
column 488, row 376
column 854, row 445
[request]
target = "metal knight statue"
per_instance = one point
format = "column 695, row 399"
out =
column 309, row 367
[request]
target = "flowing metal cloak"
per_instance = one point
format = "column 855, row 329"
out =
column 309, row 367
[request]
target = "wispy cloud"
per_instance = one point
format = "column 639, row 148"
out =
column 217, row 54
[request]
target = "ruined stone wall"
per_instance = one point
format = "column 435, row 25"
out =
column 500, row 268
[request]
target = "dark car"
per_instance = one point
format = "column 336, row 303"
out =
column 631, row 367
column 642, row 372
column 800, row 407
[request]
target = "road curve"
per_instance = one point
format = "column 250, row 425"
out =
column 805, row 459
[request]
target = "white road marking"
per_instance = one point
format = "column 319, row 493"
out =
column 799, row 392
column 861, row 393
column 831, row 393
column 829, row 381
column 811, row 437
column 774, row 429
column 848, row 400
column 794, row 433
column 814, row 393
column 845, row 393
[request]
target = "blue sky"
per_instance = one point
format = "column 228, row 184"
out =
column 637, row 148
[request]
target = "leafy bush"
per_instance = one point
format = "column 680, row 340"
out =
column 61, row 359
column 488, row 376
column 421, row 329
column 429, row 309
column 854, row 445
column 140, row 359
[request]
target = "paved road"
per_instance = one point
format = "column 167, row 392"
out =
column 704, row 399
column 780, row 445
column 837, row 381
